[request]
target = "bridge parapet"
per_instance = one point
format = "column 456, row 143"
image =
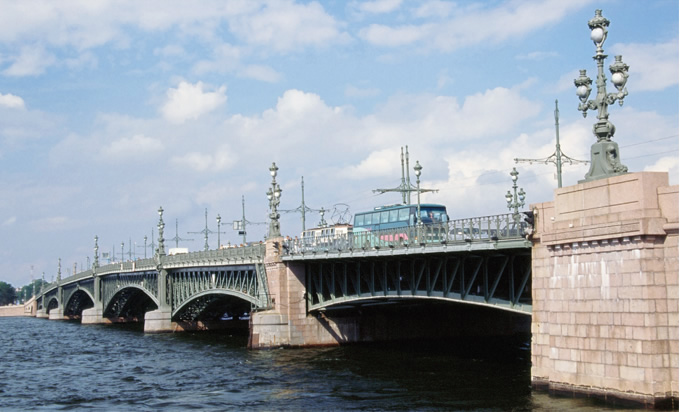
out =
column 131, row 266
column 485, row 232
column 235, row 255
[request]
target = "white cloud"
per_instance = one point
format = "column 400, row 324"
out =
column 217, row 161
column 11, row 101
column 473, row 26
column 377, row 6
column 171, row 50
column 536, row 56
column 9, row 221
column 285, row 26
column 652, row 66
column 434, row 8
column 189, row 101
column 260, row 72
column 353, row 91
column 86, row 60
column 381, row 163
column 225, row 59
column 135, row 147
column 31, row 61
column 382, row 35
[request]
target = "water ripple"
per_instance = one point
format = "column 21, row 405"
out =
column 52, row 365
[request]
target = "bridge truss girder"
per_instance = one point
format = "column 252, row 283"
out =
column 499, row 279
column 77, row 300
column 195, row 291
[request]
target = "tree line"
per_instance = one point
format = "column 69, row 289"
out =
column 9, row 294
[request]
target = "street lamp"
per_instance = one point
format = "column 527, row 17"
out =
column 219, row 220
column 515, row 199
column 96, row 252
column 418, row 168
column 274, row 197
column 161, row 226
column 604, row 154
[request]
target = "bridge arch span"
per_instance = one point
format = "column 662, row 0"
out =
column 78, row 301
column 130, row 303
column 213, row 304
column 496, row 279
column 52, row 303
column 358, row 302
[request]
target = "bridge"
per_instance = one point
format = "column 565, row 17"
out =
column 189, row 288
column 595, row 277
column 483, row 261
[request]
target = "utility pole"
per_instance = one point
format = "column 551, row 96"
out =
column 558, row 157
column 177, row 238
column 405, row 188
column 302, row 209
column 205, row 232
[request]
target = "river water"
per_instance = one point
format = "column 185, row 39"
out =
column 62, row 365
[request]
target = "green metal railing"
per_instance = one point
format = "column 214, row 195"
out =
column 497, row 228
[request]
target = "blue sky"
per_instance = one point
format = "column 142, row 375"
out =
column 109, row 110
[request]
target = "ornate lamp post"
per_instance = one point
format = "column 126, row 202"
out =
column 418, row 168
column 604, row 154
column 219, row 220
column 515, row 200
column 274, row 196
column 161, row 226
column 322, row 221
column 96, row 252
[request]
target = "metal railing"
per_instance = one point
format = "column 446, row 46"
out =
column 495, row 228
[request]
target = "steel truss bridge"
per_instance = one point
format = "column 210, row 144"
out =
column 484, row 261
column 203, row 285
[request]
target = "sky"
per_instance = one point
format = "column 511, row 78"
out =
column 111, row 109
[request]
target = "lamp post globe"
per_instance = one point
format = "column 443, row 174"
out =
column 605, row 158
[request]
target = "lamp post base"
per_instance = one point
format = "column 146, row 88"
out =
column 605, row 161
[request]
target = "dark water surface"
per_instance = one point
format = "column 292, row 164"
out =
column 59, row 365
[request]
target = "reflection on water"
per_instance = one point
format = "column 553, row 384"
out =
column 63, row 365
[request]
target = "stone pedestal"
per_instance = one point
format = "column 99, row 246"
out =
column 57, row 314
column 41, row 313
column 158, row 321
column 605, row 290
column 93, row 316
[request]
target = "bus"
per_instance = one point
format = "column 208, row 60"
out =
column 325, row 236
column 386, row 224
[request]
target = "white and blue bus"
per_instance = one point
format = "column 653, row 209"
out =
column 392, row 223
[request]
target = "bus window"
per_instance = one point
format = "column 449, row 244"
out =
column 376, row 218
column 359, row 220
column 367, row 219
column 403, row 214
column 394, row 215
column 384, row 216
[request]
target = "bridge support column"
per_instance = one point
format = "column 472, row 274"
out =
column 287, row 323
column 93, row 316
column 57, row 314
column 42, row 313
column 160, row 320
column 605, row 291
